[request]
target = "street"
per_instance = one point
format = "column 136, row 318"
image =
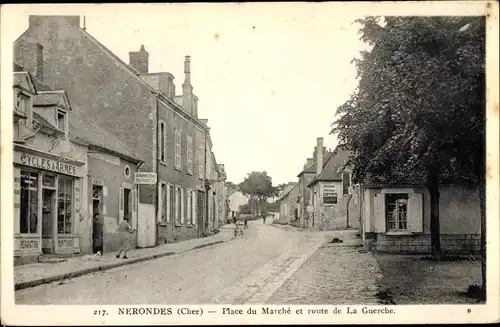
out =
column 234, row 272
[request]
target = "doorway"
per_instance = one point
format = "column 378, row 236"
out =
column 48, row 217
column 97, row 225
column 126, row 205
column 200, row 212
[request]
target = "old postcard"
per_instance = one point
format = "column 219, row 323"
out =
column 250, row 163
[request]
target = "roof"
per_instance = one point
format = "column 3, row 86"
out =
column 331, row 169
column 312, row 168
column 82, row 127
column 44, row 122
column 289, row 188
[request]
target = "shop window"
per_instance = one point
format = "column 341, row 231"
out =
column 65, row 205
column 29, row 202
column 396, row 211
column 189, row 206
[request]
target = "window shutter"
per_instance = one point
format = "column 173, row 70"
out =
column 379, row 213
column 168, row 204
column 159, row 140
column 193, row 205
column 160, row 200
column 165, row 146
column 415, row 212
column 121, row 204
column 176, row 205
column 182, row 206
column 104, row 200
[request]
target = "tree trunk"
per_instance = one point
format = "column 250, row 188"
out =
column 433, row 186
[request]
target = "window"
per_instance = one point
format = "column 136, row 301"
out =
column 21, row 103
column 163, row 195
column 162, row 142
column 330, row 195
column 29, row 202
column 201, row 156
column 396, row 211
column 178, row 149
column 65, row 205
column 189, row 155
column 127, row 171
column 346, row 182
column 61, row 120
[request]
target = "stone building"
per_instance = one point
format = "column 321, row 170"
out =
column 336, row 203
column 142, row 111
column 289, row 204
column 65, row 171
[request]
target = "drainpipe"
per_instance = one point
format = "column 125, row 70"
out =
column 207, row 187
column 157, row 204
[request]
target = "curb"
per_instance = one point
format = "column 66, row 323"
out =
column 86, row 271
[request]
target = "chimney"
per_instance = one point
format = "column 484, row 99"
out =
column 30, row 56
column 309, row 162
column 139, row 60
column 39, row 61
column 319, row 156
column 187, row 88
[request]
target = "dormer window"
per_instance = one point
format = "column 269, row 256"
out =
column 21, row 103
column 61, row 120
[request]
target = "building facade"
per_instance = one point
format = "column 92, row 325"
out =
column 397, row 217
column 289, row 204
column 336, row 203
column 142, row 111
column 49, row 173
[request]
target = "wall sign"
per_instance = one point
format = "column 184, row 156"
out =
column 47, row 164
column 145, row 178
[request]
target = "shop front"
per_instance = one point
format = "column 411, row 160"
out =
column 47, row 191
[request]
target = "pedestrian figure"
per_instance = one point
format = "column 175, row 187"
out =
column 97, row 234
column 264, row 218
column 126, row 233
column 246, row 223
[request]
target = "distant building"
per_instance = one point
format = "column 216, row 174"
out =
column 289, row 203
column 335, row 202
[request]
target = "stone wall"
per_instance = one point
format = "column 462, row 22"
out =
column 450, row 243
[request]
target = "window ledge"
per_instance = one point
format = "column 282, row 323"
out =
column 162, row 223
column 177, row 225
column 178, row 168
column 190, row 226
column 163, row 162
column 398, row 233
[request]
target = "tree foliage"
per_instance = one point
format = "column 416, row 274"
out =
column 420, row 100
column 258, row 187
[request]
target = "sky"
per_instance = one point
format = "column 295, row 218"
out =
column 269, row 81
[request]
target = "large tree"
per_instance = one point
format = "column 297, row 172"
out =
column 258, row 187
column 419, row 109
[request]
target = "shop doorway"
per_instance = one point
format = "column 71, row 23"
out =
column 48, row 218
column 126, row 205
column 97, row 224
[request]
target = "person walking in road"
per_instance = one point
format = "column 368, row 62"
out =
column 246, row 223
column 126, row 233
column 97, row 234
column 264, row 218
